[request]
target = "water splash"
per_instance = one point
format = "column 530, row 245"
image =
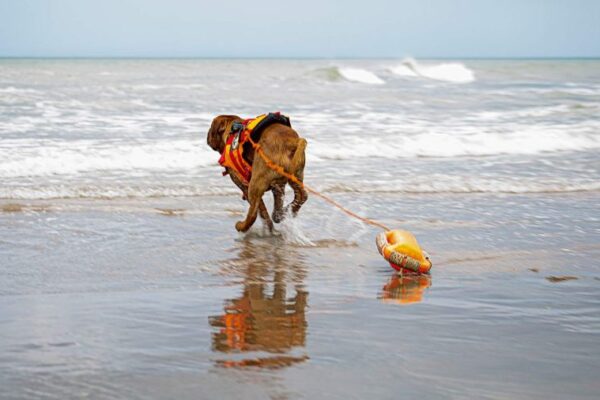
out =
column 292, row 234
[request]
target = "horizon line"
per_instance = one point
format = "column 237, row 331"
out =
column 295, row 58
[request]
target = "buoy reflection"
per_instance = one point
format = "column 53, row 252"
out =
column 405, row 289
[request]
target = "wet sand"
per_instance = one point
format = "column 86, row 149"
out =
column 162, row 298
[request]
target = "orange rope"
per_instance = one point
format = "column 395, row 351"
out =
column 279, row 169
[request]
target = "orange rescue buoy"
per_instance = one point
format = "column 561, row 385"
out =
column 401, row 250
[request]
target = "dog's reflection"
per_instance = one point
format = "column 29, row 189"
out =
column 264, row 318
column 405, row 289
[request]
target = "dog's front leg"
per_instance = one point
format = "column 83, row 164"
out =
column 262, row 208
column 240, row 184
column 257, row 187
column 264, row 214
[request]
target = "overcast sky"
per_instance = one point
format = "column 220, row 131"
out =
column 301, row 28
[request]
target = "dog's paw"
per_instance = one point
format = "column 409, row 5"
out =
column 278, row 217
column 239, row 226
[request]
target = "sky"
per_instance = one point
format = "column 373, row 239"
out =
column 301, row 28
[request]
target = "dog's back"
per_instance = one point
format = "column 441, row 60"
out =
column 285, row 148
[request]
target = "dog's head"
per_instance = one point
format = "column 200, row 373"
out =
column 217, row 133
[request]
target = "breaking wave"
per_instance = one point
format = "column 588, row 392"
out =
column 360, row 75
column 350, row 74
column 525, row 141
column 448, row 72
column 21, row 158
column 452, row 72
column 38, row 158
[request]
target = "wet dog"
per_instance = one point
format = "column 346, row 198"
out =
column 284, row 147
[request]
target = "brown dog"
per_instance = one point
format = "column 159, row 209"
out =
column 282, row 145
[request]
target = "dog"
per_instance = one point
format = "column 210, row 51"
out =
column 284, row 147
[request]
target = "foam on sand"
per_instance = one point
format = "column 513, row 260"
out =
column 432, row 183
column 439, row 183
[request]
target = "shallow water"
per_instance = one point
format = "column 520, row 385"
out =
column 122, row 276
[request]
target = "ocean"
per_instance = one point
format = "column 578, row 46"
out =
column 122, row 275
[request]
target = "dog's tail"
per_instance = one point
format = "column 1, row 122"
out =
column 298, row 159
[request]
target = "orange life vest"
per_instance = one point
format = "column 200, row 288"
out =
column 233, row 155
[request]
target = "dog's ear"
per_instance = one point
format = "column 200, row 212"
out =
column 216, row 133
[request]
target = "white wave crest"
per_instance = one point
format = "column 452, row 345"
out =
column 360, row 75
column 403, row 70
column 27, row 158
column 523, row 141
column 447, row 72
column 33, row 158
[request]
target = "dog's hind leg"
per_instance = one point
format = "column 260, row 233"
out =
column 257, row 187
column 278, row 195
column 297, row 168
column 300, row 197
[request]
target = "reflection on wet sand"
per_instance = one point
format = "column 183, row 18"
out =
column 263, row 318
column 405, row 289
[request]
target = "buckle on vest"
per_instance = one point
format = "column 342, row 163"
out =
column 237, row 127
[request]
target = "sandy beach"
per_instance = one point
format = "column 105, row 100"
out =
column 161, row 298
